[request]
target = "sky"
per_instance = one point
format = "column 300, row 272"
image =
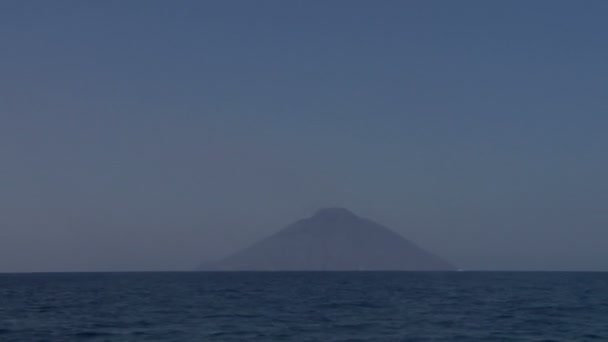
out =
column 156, row 135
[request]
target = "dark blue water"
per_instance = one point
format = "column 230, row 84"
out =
column 284, row 306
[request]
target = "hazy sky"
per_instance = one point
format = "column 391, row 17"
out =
column 154, row 135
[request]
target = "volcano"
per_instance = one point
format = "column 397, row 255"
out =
column 333, row 239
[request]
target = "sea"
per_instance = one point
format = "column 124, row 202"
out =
column 304, row 306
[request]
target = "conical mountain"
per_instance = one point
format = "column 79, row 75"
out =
column 333, row 239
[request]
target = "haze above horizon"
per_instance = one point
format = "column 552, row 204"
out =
column 154, row 135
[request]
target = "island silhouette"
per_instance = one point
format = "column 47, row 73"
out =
column 333, row 239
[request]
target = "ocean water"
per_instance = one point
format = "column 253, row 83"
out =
column 304, row 306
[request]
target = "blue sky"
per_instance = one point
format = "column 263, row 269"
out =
column 145, row 135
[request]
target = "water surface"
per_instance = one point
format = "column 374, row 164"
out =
column 304, row 306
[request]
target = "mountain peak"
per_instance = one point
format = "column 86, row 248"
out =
column 334, row 213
